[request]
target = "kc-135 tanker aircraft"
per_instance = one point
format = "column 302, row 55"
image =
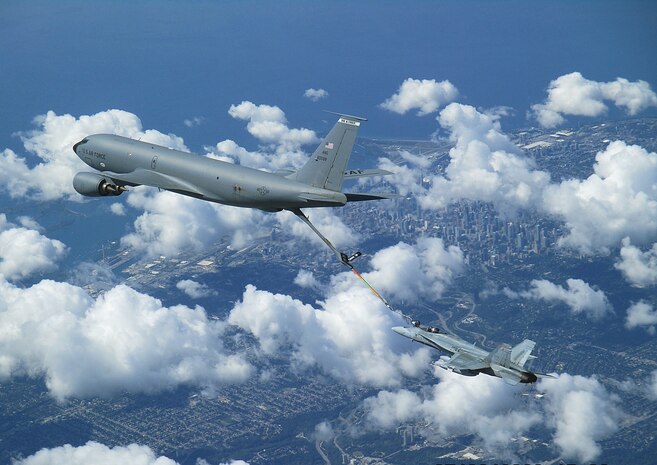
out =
column 505, row 362
column 125, row 162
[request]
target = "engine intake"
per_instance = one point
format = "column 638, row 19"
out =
column 95, row 185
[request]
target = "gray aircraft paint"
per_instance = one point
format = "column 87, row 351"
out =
column 127, row 162
column 504, row 362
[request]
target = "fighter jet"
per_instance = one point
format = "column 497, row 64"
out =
column 122, row 162
column 505, row 362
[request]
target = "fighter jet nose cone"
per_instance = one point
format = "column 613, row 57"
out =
column 401, row 330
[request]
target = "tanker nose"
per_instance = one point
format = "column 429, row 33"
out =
column 75, row 146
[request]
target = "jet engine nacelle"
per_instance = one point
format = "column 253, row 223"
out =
column 95, row 185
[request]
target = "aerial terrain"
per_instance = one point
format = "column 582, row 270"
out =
column 155, row 328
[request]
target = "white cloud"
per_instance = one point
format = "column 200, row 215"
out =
column 268, row 124
column 264, row 159
column 348, row 334
column 25, row 251
column 389, row 409
column 194, row 289
column 348, row 337
column 582, row 412
column 572, row 94
column 326, row 221
column 641, row 314
column 315, row 94
column 484, row 165
column 96, row 454
column 306, row 279
column 118, row 209
column 420, row 271
column 638, row 268
column 52, row 142
column 323, row 431
column 172, row 223
column 416, row 160
column 426, row 95
column 618, row 200
column 193, row 122
column 121, row 341
column 406, row 179
column 578, row 410
column 578, row 295
column 483, row 406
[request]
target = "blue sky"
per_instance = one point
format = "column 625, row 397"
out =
column 167, row 61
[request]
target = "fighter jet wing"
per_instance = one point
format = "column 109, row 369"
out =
column 465, row 361
column 155, row 179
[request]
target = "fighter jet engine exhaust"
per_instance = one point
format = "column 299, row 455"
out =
column 94, row 185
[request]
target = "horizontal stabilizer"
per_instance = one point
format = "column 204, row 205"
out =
column 355, row 197
column 320, row 198
column 353, row 174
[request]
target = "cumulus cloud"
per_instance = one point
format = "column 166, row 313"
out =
column 121, row 341
column 266, row 158
column 577, row 294
column 579, row 411
column 118, row 209
column 348, row 334
column 25, row 251
column 323, row 431
column 306, row 279
column 268, row 124
column 572, row 94
column 457, row 405
column 426, row 95
column 641, row 314
column 194, row 289
column 172, row 223
column 419, row 271
column 326, row 220
column 52, row 141
column 618, row 200
column 348, row 337
column 95, row 453
column 315, row 94
column 484, row 165
column 582, row 413
column 407, row 180
column 638, row 268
